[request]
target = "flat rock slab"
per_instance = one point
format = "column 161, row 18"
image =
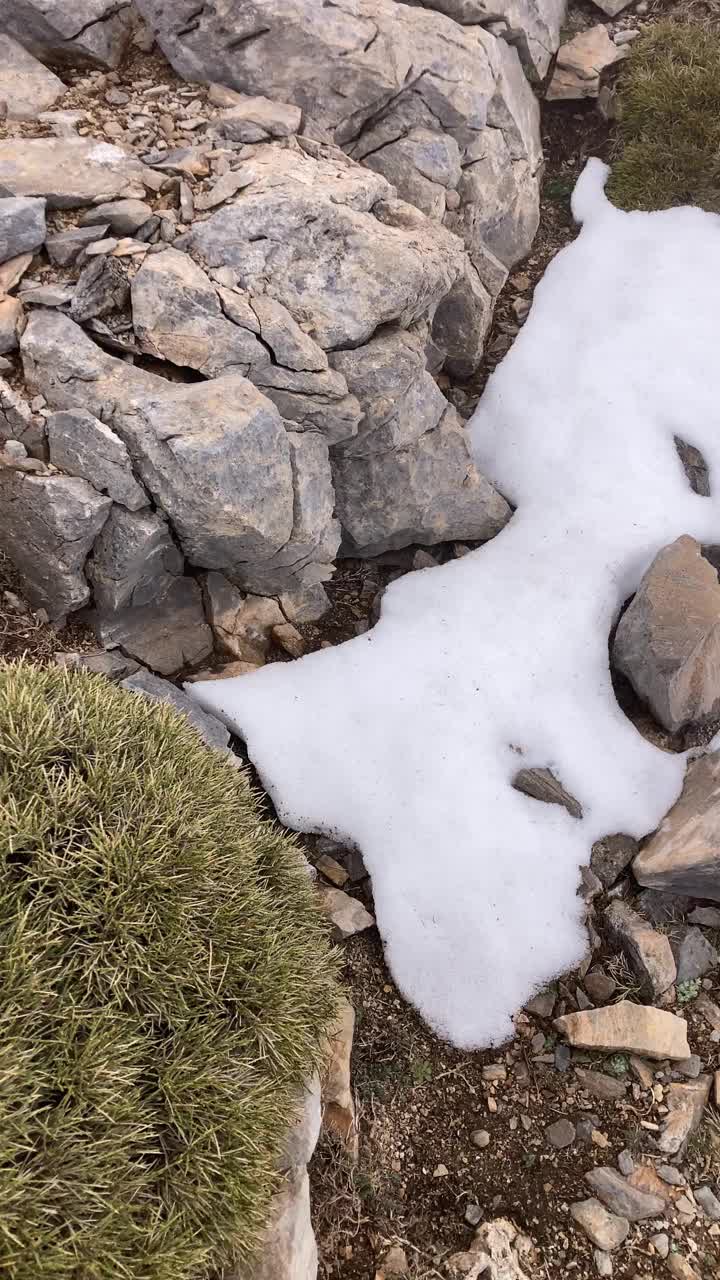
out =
column 25, row 84
column 624, row 1026
column 76, row 32
column 620, row 1197
column 68, row 172
column 165, row 634
column 684, row 854
column 209, row 727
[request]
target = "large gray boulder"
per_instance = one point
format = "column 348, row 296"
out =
column 22, row 226
column 68, row 172
column 76, row 32
column 26, row 86
column 47, row 526
column 132, row 560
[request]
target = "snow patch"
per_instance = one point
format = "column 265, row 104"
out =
column 406, row 739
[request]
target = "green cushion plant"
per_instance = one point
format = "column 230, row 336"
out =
column 165, row 983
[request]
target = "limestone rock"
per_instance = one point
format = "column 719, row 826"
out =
column 241, row 624
column 532, row 26
column 581, row 62
column 695, row 955
column 668, row 640
column 66, row 247
column 133, row 560
column 47, row 526
column 624, row 1026
column 306, row 232
column 686, row 1104
column 684, row 854
column 210, row 729
column 166, row 634
column 123, row 217
column 288, row 1250
column 82, row 445
column 680, row 1268
column 12, row 323
column 605, row 1230
column 347, row 915
column 303, row 1135
column 338, row 1104
column 648, row 951
column 83, row 32
column 257, row 119
column 494, row 1253
column 112, row 664
column 17, row 421
column 610, row 856
column 598, row 1085
column 102, row 287
column 621, row 1197
column 68, row 172
column 26, row 86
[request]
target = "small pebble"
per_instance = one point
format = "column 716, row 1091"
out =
column 709, row 1203
column 603, row 1262
column 563, row 1057
column 661, row 1244
column 561, row 1133
column 473, row 1215
column 626, row 1164
column 481, row 1138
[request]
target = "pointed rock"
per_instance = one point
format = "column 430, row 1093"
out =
column 686, row 1104
column 621, row 1197
column 684, row 854
column 541, row 784
column 337, row 1098
column 635, row 1028
column 605, row 1230
column 26, row 86
column 648, row 952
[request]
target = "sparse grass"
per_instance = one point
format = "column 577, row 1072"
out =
column 165, row 981
column 627, row 986
column 668, row 132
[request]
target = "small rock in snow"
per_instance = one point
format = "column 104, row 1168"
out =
column 543, row 1003
column 541, row 784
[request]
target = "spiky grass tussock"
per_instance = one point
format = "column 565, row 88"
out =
column 668, row 132
column 165, row 982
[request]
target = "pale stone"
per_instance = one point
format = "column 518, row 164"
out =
column 684, row 854
column 348, row 916
column 79, row 33
column 288, row 1250
column 648, row 951
column 580, row 63
column 605, row 1230
column 621, row 1197
column 241, row 624
column 68, row 172
column 686, row 1105
column 640, row 1029
column 213, row 733
column 22, row 227
column 26, row 86
column 338, row 1104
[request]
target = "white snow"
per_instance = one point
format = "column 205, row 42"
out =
column 405, row 740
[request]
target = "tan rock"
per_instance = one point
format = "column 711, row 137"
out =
column 680, row 1268
column 338, row 1104
column 605, row 1230
column 636, row 1028
column 348, row 916
column 686, row 1104
column 332, row 870
column 289, row 639
column 684, row 854
column 228, row 672
column 643, row 1071
column 644, row 1178
column 668, row 641
column 12, row 323
column 620, row 1196
column 580, row 64
column 288, row 1250
column 598, row 1085
column 241, row 624
column 648, row 952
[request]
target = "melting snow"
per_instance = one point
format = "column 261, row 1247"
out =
column 405, row 740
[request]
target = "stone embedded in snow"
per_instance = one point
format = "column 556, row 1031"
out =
column 306, row 231
column 686, row 1105
column 347, row 915
column 541, row 784
column 288, row 1250
column 469, row 664
column 258, row 119
column 241, row 624
column 621, row 1197
column 668, row 640
column 166, row 634
column 684, row 854
column 581, row 62
column 26, row 86
column 68, row 172
column 648, row 952
column 82, row 445
column 47, row 526
column 133, row 560
column 605, row 1230
column 79, row 33
column 338, row 1104
column 211, row 730
column 624, row 1026
column 695, row 956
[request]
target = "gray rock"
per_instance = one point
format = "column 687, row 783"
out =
column 695, row 956
column 605, row 1230
column 257, row 119
column 532, row 26
column 306, row 604
column 210, row 729
column 626, row 1164
column 123, row 217
column 598, row 1085
column 12, row 323
column 17, row 421
column 112, row 664
column 461, row 322
column 47, row 526
column 690, row 1067
column 709, row 1203
column 561, row 1133
column 48, row 295
column 166, row 634
column 662, row 907
column 541, row 784
column 621, row 1197
column 103, row 287
column 708, row 917
column 427, row 492
column 610, row 856
column 68, row 172
column 599, row 986
column 684, row 854
column 241, row 624
column 648, row 952
column 672, row 1176
column 668, row 640
column 288, row 1248
column 26, row 86
column 94, row 32
column 65, row 248
column 82, row 445
column 22, row 226
column 133, row 560
column 306, row 230
column 686, row 1105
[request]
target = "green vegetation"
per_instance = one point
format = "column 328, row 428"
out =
column 688, row 990
column 165, row 981
column 668, row 150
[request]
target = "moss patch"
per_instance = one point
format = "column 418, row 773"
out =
column 165, row 980
column 668, row 149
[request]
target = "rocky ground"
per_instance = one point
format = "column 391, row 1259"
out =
column 606, row 1161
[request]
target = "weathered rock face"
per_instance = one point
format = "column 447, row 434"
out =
column 79, row 33
column 684, row 854
column 82, row 445
column 26, row 86
column 668, row 641
column 22, row 226
column 648, row 951
column 47, row 526
column 68, row 172
column 581, row 62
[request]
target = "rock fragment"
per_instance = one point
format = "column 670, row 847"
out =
column 348, row 916
column 209, row 727
column 22, row 225
column 684, row 854
column 638, row 1029
column 26, row 87
column 580, row 63
column 86, row 32
column 82, row 445
column 620, row 1197
column 686, row 1105
column 605, row 1230
column 648, row 952
column 67, row 172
